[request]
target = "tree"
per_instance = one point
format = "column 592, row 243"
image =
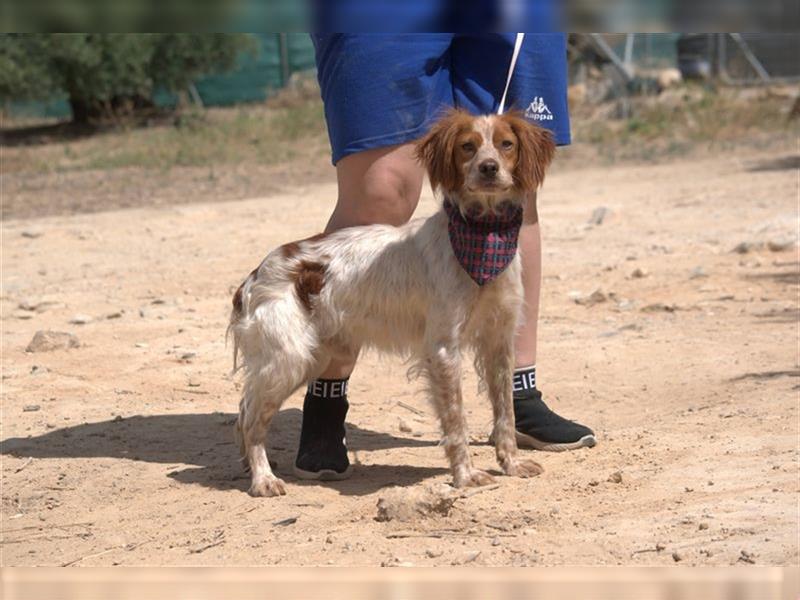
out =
column 105, row 74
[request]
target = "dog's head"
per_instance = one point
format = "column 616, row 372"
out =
column 486, row 159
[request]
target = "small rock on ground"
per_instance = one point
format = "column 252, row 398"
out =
column 467, row 558
column 599, row 215
column 780, row 245
column 747, row 557
column 48, row 340
column 411, row 503
column 744, row 247
column 697, row 273
column 659, row 307
column 596, row 297
column 37, row 305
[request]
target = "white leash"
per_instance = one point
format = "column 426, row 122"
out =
column 517, row 46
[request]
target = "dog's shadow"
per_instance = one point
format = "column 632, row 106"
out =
column 206, row 441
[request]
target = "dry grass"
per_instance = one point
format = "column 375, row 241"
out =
column 686, row 120
column 257, row 150
column 673, row 123
column 249, row 134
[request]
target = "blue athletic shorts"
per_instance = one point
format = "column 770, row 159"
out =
column 386, row 89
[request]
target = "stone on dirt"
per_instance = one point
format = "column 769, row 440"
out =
column 744, row 247
column 780, row 245
column 747, row 557
column 466, row 558
column 412, row 503
column 599, row 215
column 37, row 305
column 48, row 340
column 659, row 307
column 697, row 273
column 596, row 297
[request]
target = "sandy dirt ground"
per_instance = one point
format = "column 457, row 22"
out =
column 678, row 350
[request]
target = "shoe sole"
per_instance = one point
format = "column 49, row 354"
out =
column 527, row 441
column 323, row 475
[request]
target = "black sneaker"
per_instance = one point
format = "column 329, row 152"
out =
column 322, row 454
column 540, row 428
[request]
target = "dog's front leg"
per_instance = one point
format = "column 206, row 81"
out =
column 443, row 369
column 495, row 353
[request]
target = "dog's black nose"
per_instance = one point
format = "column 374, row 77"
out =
column 488, row 168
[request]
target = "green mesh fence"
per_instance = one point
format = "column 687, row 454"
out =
column 256, row 77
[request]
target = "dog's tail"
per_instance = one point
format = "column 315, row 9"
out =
column 238, row 314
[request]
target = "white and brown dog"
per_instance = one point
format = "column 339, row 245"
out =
column 409, row 290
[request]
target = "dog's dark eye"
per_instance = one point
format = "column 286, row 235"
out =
column 507, row 144
column 468, row 147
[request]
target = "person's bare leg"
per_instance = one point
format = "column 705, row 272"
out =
column 530, row 247
column 537, row 426
column 375, row 186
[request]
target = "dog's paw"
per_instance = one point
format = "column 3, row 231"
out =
column 523, row 467
column 473, row 478
column 268, row 487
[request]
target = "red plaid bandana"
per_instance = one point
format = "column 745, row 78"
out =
column 483, row 245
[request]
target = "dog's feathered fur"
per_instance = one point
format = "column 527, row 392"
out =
column 399, row 290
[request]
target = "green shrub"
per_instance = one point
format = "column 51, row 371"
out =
column 108, row 74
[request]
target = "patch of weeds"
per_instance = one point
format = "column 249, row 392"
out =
column 193, row 137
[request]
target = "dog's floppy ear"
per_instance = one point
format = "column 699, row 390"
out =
column 535, row 151
column 436, row 151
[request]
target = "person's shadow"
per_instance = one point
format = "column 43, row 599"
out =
column 206, row 440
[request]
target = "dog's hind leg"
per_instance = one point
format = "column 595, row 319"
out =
column 442, row 366
column 261, row 400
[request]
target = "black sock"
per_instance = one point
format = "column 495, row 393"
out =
column 328, row 389
column 524, row 379
column 322, row 445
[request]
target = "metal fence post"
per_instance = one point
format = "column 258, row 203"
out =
column 283, row 50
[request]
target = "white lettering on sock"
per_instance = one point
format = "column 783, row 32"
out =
column 524, row 379
column 328, row 388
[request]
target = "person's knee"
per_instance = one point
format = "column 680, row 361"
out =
column 387, row 201
column 380, row 186
column 386, row 207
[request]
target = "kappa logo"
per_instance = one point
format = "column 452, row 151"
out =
column 538, row 111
